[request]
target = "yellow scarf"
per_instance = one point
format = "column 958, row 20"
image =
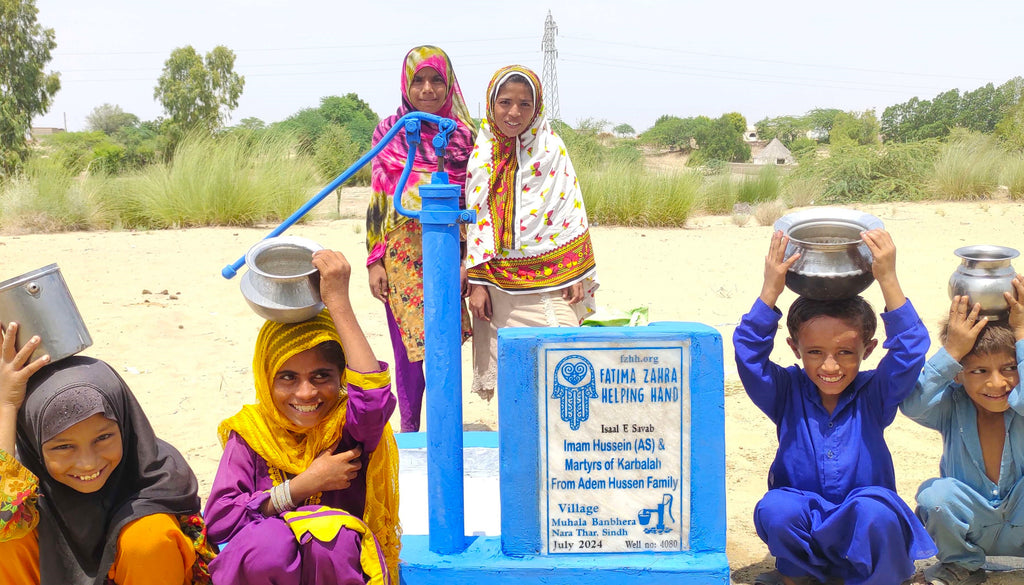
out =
column 291, row 449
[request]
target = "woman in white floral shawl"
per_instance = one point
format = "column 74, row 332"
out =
column 529, row 255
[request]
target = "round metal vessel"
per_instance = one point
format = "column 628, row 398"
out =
column 281, row 283
column 984, row 274
column 834, row 262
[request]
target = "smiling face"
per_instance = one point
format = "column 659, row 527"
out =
column 84, row 455
column 514, row 108
column 988, row 379
column 831, row 350
column 428, row 90
column 306, row 388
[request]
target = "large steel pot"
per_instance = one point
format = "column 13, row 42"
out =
column 984, row 274
column 834, row 262
column 41, row 304
column 281, row 283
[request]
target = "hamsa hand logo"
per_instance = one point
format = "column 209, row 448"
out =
column 574, row 386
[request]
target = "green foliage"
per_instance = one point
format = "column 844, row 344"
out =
column 198, row 95
column 801, row 191
column 980, row 110
column 894, row 172
column 1011, row 128
column 803, row 147
column 348, row 111
column 850, row 128
column 632, row 196
column 765, row 186
column 25, row 90
column 109, row 118
column 217, row 181
column 623, row 130
column 718, row 139
column 1013, row 176
column 335, row 152
column 785, row 128
column 46, row 197
column 670, row 132
column 592, row 126
column 737, row 121
column 967, row 167
column 718, row 195
column 75, row 151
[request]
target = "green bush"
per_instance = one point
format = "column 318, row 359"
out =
column 335, row 151
column 967, row 167
column 718, row 195
column 1013, row 176
column 214, row 181
column 764, row 187
column 632, row 196
column 48, row 198
column 893, row 172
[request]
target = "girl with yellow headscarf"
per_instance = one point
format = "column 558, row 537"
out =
column 307, row 488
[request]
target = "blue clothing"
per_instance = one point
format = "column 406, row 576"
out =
column 841, row 494
column 977, row 516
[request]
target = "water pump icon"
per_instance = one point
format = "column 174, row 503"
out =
column 644, row 516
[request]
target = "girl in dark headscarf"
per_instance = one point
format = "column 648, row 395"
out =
column 93, row 497
column 393, row 241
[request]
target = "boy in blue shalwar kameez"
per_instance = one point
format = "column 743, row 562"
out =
column 831, row 510
column 970, row 392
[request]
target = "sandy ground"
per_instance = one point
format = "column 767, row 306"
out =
column 182, row 336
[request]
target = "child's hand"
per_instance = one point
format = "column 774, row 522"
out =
column 1016, row 307
column 775, row 267
column 964, row 327
column 335, row 272
column 883, row 266
column 14, row 372
column 331, row 471
column 883, row 253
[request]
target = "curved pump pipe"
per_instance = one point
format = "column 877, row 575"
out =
column 411, row 123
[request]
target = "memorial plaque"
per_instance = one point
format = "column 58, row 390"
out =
column 615, row 447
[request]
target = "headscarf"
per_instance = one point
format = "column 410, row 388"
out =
column 531, row 232
column 381, row 217
column 78, row 532
column 285, row 446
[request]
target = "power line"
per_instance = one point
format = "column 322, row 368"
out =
column 773, row 61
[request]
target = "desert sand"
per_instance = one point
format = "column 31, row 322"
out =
column 182, row 336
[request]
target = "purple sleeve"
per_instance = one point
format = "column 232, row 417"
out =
column 234, row 499
column 370, row 405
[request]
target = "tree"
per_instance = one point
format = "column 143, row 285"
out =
column 353, row 114
column 25, row 90
column 108, row 119
column 623, row 130
column 198, row 95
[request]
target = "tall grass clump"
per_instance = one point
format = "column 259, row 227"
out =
column 219, row 181
column 631, row 196
column 1013, row 176
column 47, row 197
column 967, row 167
column 802, row 191
column 719, row 195
column 763, row 187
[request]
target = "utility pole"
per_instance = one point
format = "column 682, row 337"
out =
column 550, row 75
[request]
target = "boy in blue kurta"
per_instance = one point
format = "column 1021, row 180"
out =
column 970, row 392
column 831, row 510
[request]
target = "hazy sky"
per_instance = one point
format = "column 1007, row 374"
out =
column 625, row 62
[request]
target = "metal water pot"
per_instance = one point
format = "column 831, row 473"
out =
column 41, row 304
column 984, row 274
column 834, row 262
column 281, row 283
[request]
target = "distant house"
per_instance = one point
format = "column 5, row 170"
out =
column 751, row 134
column 38, row 132
column 774, row 154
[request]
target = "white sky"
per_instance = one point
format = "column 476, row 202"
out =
column 625, row 62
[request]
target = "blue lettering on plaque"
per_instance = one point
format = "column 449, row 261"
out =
column 574, row 385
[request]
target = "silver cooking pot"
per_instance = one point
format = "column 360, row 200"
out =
column 281, row 283
column 984, row 274
column 41, row 304
column 834, row 262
